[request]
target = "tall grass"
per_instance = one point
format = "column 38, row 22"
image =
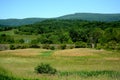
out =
column 5, row 75
column 101, row 65
column 112, row 74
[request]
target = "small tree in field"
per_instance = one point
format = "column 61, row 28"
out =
column 45, row 69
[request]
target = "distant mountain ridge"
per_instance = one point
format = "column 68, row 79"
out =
column 81, row 16
column 19, row 22
column 92, row 16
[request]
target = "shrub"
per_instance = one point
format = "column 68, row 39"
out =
column 112, row 45
column 52, row 47
column 71, row 47
column 34, row 46
column 99, row 46
column 80, row 45
column 63, row 46
column 12, row 47
column 46, row 46
column 45, row 69
column 24, row 46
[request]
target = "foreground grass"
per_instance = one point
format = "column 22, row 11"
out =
column 72, row 64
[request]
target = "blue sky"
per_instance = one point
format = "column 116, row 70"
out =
column 55, row 8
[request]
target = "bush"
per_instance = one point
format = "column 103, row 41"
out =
column 99, row 46
column 46, row 46
column 12, row 47
column 34, row 46
column 112, row 45
column 80, row 45
column 52, row 47
column 63, row 46
column 45, row 69
column 72, row 46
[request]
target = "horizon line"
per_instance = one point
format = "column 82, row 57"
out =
column 60, row 16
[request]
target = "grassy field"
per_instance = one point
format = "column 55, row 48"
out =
column 18, row 36
column 72, row 64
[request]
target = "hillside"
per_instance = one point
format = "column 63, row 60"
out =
column 19, row 22
column 80, row 16
column 92, row 17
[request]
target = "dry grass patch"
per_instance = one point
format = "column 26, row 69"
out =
column 111, row 58
column 77, row 52
column 23, row 52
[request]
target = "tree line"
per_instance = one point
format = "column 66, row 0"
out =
column 82, row 33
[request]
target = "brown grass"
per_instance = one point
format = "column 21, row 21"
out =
column 23, row 52
column 23, row 67
column 77, row 52
column 111, row 58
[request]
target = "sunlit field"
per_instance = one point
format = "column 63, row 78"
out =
column 71, row 64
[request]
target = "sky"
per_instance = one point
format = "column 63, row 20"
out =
column 55, row 8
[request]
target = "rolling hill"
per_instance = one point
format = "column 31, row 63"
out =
column 19, row 22
column 80, row 16
column 92, row 17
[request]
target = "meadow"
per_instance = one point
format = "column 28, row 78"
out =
column 71, row 64
column 18, row 36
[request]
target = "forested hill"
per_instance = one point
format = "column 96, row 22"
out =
column 93, row 17
column 19, row 22
column 80, row 16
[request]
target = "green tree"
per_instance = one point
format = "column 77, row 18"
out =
column 94, row 36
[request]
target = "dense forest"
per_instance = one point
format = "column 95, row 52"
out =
column 82, row 33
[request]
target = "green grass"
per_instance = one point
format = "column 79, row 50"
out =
column 103, row 65
column 9, row 32
column 5, row 75
column 47, row 53
column 18, row 36
column 112, row 74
